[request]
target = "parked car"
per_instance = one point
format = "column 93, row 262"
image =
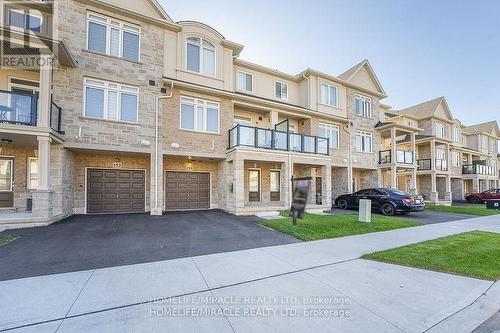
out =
column 385, row 200
column 478, row 198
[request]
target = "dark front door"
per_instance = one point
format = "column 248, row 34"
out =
column 6, row 186
column 115, row 191
column 253, row 185
column 319, row 191
column 187, row 190
column 275, row 186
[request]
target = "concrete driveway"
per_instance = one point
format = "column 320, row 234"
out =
column 85, row 242
column 425, row 217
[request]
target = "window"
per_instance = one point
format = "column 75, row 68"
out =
column 455, row 158
column 440, row 130
column 113, row 37
column 331, row 132
column 440, row 154
column 281, row 90
column 484, row 142
column 456, row 134
column 253, row 181
column 275, row 181
column 32, row 177
column 363, row 106
column 239, row 120
column 245, row 81
column 111, row 101
column 364, row 142
column 328, row 94
column 200, row 56
column 199, row 115
column 6, row 174
column 25, row 19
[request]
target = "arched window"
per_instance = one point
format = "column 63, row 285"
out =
column 200, row 56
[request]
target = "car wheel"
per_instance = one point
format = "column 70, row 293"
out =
column 343, row 204
column 388, row 209
column 475, row 200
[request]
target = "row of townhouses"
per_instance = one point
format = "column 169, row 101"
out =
column 124, row 110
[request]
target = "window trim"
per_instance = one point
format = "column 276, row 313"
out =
column 436, row 128
column 28, row 173
column 242, row 118
column 364, row 134
column 287, row 90
column 328, row 85
column 330, row 142
column 26, row 12
column 122, row 27
column 238, row 80
column 106, row 89
column 278, row 171
column 364, row 99
column 200, row 54
column 204, row 103
column 453, row 160
column 11, row 185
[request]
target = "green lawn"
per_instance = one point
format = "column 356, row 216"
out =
column 7, row 238
column 315, row 227
column 474, row 254
column 470, row 209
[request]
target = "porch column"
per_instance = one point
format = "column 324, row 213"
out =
column 394, row 178
column 413, row 183
column 414, row 149
column 326, row 174
column 448, row 157
column 475, row 184
column 273, row 117
column 43, row 162
column 157, row 190
column 45, row 96
column 448, row 194
column 286, row 184
column 393, row 146
column 239, row 184
column 433, row 156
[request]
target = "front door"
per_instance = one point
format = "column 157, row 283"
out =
column 6, row 186
column 254, row 185
column 319, row 191
column 275, row 186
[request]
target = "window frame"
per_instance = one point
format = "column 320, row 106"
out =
column 437, row 125
column 122, row 27
column 329, row 86
column 28, row 173
column 456, row 134
column 363, row 135
column 199, row 102
column 271, row 172
column 364, row 100
column 455, row 157
column 331, row 127
column 25, row 12
column 238, row 84
column 11, row 183
column 200, row 54
column 120, row 89
column 281, row 90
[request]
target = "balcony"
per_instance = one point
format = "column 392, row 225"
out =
column 248, row 136
column 21, row 108
column 478, row 169
column 402, row 157
column 424, row 164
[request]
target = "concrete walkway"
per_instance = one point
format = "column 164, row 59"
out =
column 321, row 286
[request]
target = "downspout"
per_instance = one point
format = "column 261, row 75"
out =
column 308, row 91
column 349, row 161
column 157, row 134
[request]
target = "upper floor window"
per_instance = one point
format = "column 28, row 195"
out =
column 440, row 130
column 240, row 120
column 440, row 154
column 484, row 142
column 25, row 19
column 32, row 176
column 199, row 115
column 331, row 132
column 364, row 142
column 111, row 101
column 363, row 106
column 245, row 81
column 455, row 158
column 200, row 56
column 281, row 90
column 328, row 94
column 456, row 134
column 113, row 37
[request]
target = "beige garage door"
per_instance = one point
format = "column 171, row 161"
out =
column 115, row 191
column 187, row 190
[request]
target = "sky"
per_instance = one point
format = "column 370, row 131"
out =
column 419, row 50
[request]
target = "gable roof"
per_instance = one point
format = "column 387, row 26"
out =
column 426, row 109
column 490, row 127
column 349, row 74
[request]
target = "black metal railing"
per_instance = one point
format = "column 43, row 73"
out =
column 441, row 165
column 424, row 164
column 402, row 156
column 18, row 108
column 248, row 136
column 478, row 169
column 55, row 117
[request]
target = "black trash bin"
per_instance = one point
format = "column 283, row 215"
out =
column 493, row 204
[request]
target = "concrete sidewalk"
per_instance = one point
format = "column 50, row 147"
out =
column 281, row 288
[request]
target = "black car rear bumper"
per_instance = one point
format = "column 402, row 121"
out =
column 410, row 208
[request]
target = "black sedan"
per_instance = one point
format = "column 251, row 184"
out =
column 385, row 200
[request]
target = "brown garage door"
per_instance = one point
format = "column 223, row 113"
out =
column 187, row 190
column 115, row 191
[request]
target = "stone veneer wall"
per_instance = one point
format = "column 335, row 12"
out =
column 457, row 189
column 424, row 186
column 340, row 181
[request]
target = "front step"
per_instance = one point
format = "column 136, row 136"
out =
column 316, row 211
column 272, row 213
